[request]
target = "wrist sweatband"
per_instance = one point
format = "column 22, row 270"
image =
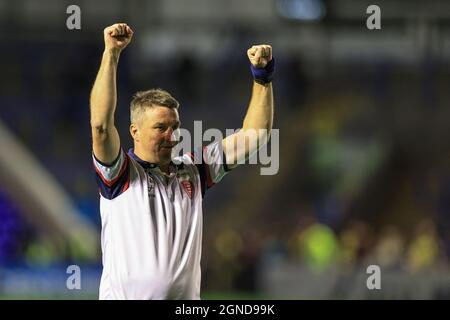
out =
column 264, row 75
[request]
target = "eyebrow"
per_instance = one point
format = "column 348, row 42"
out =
column 162, row 124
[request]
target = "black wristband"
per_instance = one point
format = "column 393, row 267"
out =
column 264, row 75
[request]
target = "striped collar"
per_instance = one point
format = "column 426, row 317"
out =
column 151, row 165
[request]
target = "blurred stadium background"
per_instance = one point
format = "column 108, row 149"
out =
column 364, row 142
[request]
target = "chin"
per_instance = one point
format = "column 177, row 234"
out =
column 165, row 159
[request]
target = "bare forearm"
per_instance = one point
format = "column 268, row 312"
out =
column 104, row 92
column 260, row 111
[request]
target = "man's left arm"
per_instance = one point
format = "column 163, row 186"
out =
column 258, row 120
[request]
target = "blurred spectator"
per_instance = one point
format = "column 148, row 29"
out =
column 389, row 249
column 356, row 242
column 423, row 252
column 317, row 246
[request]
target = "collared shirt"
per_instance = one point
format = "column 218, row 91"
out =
column 152, row 224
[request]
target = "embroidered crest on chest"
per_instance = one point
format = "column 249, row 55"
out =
column 186, row 182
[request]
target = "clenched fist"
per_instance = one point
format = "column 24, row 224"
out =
column 117, row 36
column 260, row 55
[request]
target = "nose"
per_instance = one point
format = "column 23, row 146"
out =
column 173, row 135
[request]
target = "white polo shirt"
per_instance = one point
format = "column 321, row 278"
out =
column 152, row 224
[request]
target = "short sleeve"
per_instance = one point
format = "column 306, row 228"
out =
column 211, row 164
column 113, row 179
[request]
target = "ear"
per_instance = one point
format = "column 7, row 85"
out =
column 134, row 131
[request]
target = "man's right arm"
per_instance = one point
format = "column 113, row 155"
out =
column 105, row 138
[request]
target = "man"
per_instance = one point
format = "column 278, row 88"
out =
column 151, row 208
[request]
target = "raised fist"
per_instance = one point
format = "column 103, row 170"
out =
column 260, row 55
column 117, row 36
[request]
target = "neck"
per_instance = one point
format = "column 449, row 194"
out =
column 140, row 152
column 144, row 156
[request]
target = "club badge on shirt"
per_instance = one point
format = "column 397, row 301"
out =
column 187, row 184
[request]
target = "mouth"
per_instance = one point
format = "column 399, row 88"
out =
column 169, row 146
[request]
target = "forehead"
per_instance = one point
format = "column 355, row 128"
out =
column 161, row 114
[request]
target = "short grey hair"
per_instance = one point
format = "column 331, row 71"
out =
column 149, row 99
